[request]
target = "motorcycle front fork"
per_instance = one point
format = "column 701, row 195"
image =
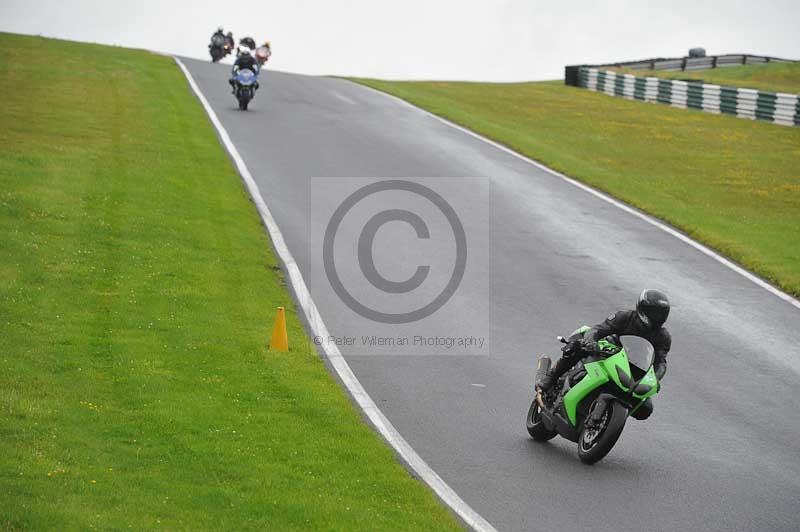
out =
column 597, row 411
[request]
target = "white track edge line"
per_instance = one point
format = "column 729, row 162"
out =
column 359, row 394
column 605, row 197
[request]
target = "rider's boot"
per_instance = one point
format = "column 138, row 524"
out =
column 561, row 366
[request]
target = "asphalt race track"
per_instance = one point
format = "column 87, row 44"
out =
column 722, row 449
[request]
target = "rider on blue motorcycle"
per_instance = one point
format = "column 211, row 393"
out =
column 244, row 60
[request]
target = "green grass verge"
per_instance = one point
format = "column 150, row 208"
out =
column 137, row 292
column 771, row 77
column 733, row 184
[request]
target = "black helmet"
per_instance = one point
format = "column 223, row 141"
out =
column 652, row 308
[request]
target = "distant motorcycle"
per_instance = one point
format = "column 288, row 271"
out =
column 262, row 54
column 245, row 83
column 248, row 42
column 217, row 48
column 230, row 44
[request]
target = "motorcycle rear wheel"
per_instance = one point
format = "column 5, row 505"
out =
column 535, row 424
column 595, row 443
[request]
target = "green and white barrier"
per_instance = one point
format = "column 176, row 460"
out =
column 778, row 108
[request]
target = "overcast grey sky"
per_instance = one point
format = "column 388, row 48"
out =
column 497, row 40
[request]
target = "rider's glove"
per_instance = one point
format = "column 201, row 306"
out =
column 590, row 346
column 571, row 347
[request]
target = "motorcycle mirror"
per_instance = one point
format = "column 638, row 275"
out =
column 561, row 339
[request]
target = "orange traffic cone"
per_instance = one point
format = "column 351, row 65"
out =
column 280, row 340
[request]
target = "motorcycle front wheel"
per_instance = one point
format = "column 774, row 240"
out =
column 535, row 425
column 244, row 99
column 597, row 441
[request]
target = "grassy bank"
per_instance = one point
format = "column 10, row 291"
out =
column 137, row 292
column 731, row 183
column 772, row 77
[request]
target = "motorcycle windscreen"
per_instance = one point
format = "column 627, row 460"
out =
column 245, row 77
column 640, row 352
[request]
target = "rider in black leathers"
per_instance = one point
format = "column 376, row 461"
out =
column 216, row 33
column 646, row 321
column 249, row 42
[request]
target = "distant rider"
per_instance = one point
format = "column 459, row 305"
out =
column 646, row 321
column 263, row 53
column 244, row 61
column 248, row 42
column 217, row 33
column 229, row 41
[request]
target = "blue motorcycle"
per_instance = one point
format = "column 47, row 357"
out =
column 245, row 84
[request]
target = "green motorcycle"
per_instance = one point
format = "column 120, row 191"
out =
column 590, row 403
